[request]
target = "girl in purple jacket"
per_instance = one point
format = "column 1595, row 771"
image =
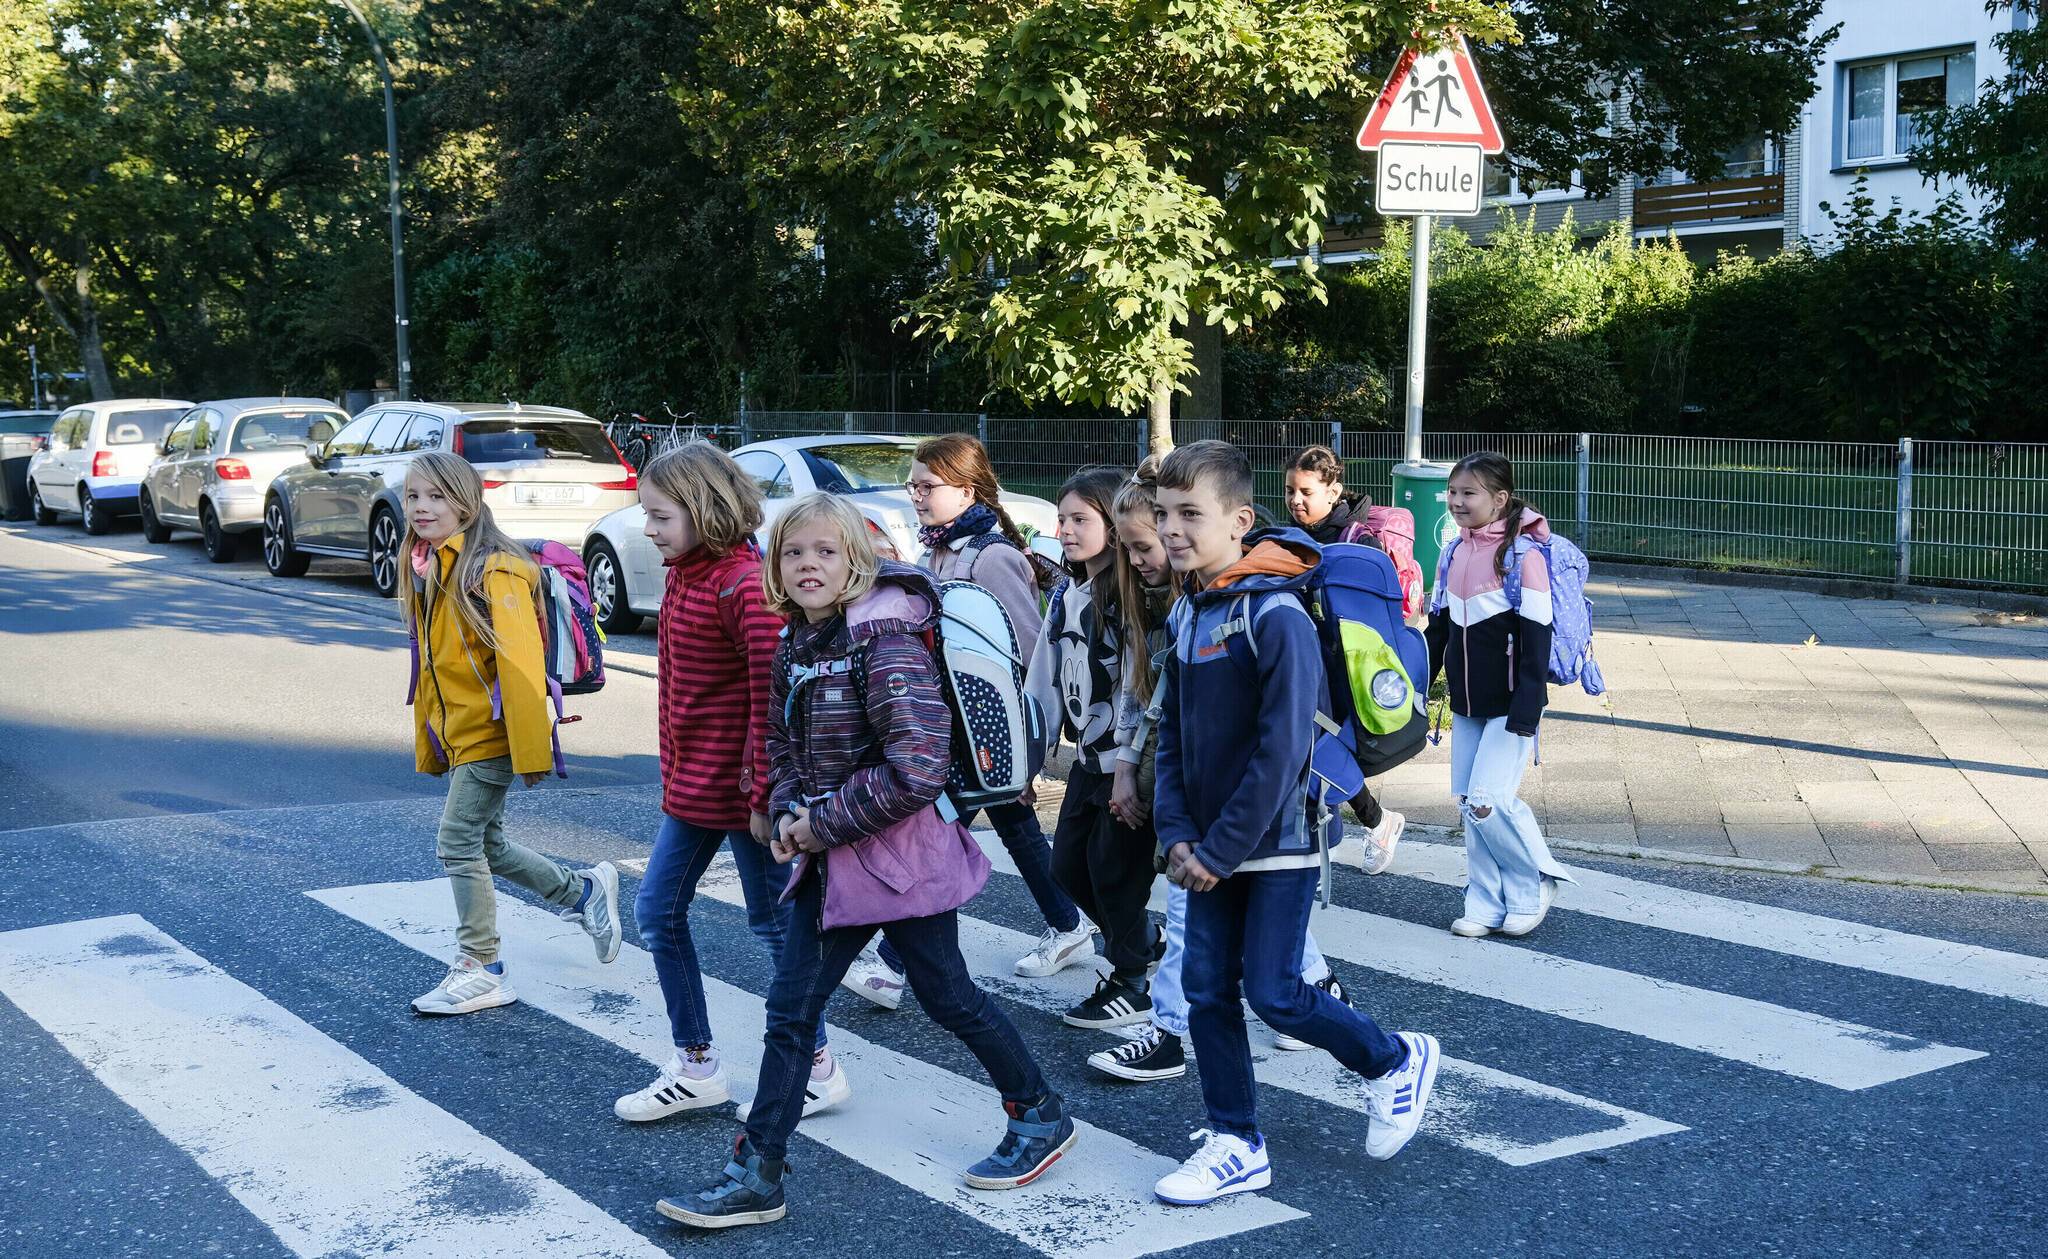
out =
column 860, row 740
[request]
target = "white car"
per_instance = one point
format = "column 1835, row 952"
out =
column 96, row 456
column 626, row 577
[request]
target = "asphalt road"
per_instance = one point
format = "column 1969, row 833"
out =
column 218, row 893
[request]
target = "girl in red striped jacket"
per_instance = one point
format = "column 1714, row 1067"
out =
column 717, row 653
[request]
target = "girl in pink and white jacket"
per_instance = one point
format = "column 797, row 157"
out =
column 1494, row 653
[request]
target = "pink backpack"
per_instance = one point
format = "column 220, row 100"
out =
column 1393, row 528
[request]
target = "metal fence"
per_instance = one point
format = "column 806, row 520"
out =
column 1944, row 513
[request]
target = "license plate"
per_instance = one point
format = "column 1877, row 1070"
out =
column 547, row 494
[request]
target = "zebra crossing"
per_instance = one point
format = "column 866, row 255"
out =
column 320, row 1137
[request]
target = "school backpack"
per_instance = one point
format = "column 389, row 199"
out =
column 1571, row 612
column 571, row 645
column 1394, row 529
column 1375, row 664
column 1045, row 574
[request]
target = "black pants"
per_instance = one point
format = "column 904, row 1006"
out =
column 1107, row 868
column 1367, row 807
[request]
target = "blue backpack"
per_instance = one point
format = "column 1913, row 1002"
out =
column 1571, row 612
column 1376, row 667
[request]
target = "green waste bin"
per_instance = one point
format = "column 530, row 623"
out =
column 1419, row 487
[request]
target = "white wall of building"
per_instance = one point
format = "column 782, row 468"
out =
column 1888, row 49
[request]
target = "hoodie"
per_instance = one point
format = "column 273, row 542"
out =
column 1495, row 658
column 1076, row 671
column 1237, row 723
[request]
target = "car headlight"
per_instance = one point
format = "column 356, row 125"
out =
column 1389, row 689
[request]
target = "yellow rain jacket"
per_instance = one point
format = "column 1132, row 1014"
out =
column 452, row 721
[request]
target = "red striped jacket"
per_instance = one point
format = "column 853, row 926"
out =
column 717, row 643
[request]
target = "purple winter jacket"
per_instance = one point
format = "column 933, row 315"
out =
column 867, row 742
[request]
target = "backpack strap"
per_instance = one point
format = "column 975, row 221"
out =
column 1439, row 595
column 1511, row 580
column 802, row 675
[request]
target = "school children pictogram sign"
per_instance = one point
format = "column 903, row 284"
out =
column 1433, row 97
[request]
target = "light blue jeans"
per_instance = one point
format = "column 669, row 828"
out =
column 1506, row 859
column 1170, row 1000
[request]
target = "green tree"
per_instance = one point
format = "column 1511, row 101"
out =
column 1996, row 144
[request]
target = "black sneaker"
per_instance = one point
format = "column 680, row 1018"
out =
column 1152, row 1054
column 1329, row 984
column 750, row 1192
column 1114, row 1003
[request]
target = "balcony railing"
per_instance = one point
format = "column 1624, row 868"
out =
column 1713, row 201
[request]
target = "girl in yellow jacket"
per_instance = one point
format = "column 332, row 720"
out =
column 480, row 716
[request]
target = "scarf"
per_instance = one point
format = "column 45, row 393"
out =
column 976, row 520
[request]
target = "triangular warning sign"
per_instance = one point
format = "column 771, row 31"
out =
column 1433, row 97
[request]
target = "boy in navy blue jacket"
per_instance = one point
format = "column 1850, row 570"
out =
column 1231, row 806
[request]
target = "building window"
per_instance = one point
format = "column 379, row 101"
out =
column 1886, row 103
column 1757, row 157
column 1503, row 183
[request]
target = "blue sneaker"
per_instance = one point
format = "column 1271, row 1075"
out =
column 750, row 1192
column 1223, row 1165
column 1038, row 1136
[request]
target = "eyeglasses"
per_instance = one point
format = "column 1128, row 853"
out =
column 922, row 489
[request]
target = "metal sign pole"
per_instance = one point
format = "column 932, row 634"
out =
column 1418, row 337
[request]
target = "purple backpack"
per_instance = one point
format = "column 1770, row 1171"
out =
column 1571, row 612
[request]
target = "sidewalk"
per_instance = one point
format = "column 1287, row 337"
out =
column 1859, row 734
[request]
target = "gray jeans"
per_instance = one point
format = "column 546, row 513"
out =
column 472, row 848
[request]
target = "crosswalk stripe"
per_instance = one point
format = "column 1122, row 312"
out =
column 1972, row 968
column 1740, row 1029
column 262, row 1101
column 1489, row 1112
column 916, row 1123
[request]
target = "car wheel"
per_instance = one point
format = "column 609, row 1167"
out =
column 221, row 546
column 96, row 519
column 43, row 515
column 608, row 602
column 384, row 539
column 279, row 556
column 153, row 530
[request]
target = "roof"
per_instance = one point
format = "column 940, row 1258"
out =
column 233, row 407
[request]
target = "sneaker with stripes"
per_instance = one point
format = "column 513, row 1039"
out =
column 1394, row 1103
column 692, row 1080
column 1114, row 1003
column 827, row 1087
column 1222, row 1165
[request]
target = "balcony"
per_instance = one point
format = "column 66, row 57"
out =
column 1747, row 199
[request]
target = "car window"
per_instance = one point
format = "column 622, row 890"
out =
column 424, row 433
column 508, row 440
column 206, row 426
column 284, row 430
column 767, row 470
column 64, row 435
column 383, row 439
column 859, row 466
column 349, row 441
column 179, row 440
column 147, row 424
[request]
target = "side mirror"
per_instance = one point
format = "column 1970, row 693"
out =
column 315, row 454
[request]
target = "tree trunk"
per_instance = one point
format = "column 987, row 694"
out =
column 1206, row 402
column 1159, row 417
column 92, row 351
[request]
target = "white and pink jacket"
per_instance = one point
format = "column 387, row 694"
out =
column 1494, row 656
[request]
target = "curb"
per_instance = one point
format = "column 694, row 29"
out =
column 1833, row 587
column 1673, row 856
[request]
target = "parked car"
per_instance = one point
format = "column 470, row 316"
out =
column 625, row 570
column 213, row 467
column 547, row 472
column 33, row 423
column 22, row 434
column 96, row 456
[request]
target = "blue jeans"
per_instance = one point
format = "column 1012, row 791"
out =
column 812, row 964
column 682, row 852
column 1506, row 858
column 1248, row 930
column 1170, row 998
column 1017, row 824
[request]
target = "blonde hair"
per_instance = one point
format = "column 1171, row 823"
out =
column 724, row 503
column 481, row 539
column 861, row 558
column 1137, row 497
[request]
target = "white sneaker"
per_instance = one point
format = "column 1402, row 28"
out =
column 1394, row 1103
column 1224, row 1164
column 822, row 1092
column 1470, row 928
column 600, row 912
column 875, row 980
column 1381, row 840
column 1523, row 924
column 467, row 987
column 692, row 1080
column 1058, row 950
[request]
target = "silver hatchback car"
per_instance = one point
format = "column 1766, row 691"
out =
column 213, row 466
column 548, row 472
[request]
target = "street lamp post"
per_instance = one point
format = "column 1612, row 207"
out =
column 397, row 212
